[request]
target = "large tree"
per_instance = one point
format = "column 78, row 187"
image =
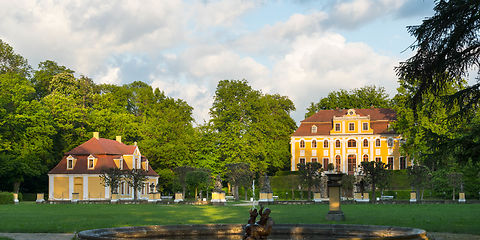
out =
column 364, row 97
column 250, row 127
column 447, row 48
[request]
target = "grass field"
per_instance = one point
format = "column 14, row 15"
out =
column 58, row 218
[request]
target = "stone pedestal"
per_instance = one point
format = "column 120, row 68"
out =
column 359, row 197
column 218, row 198
column 266, row 197
column 15, row 198
column 75, row 197
column 461, row 197
column 114, row 198
column 154, row 197
column 413, row 197
column 40, row 198
column 317, row 197
column 178, row 197
column 334, row 184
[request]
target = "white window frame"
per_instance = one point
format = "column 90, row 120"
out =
column 300, row 160
column 338, row 127
column 351, row 127
column 379, row 142
column 314, row 141
column 390, row 142
column 363, row 126
column 90, row 158
column 314, row 129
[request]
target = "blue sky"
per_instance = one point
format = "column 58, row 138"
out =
column 301, row 49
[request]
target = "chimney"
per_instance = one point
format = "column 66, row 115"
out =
column 96, row 135
column 119, row 139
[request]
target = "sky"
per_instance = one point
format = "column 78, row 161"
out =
column 302, row 49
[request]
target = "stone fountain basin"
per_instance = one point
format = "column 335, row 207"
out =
column 235, row 231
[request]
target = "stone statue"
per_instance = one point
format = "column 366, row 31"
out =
column 218, row 184
column 260, row 229
column 266, row 185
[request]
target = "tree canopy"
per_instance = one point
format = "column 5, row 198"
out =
column 364, row 97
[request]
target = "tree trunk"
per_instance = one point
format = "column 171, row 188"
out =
column 196, row 198
column 134, row 194
column 245, row 189
column 453, row 194
column 183, row 190
column 309, row 193
column 235, row 192
column 16, row 187
column 374, row 199
column 293, row 194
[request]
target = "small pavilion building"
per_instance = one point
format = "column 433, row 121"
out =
column 77, row 175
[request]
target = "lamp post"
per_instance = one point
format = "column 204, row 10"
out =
column 334, row 184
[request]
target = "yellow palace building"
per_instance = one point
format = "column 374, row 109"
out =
column 346, row 137
column 77, row 175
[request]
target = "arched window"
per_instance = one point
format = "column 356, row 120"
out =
column 314, row 129
column 365, row 158
column 365, row 143
column 302, row 144
column 325, row 163
column 338, row 163
column 325, row 144
column 352, row 143
column 338, row 144
column 390, row 142
column 377, row 143
column 314, row 144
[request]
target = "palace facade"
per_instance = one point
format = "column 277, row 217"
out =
column 77, row 175
column 346, row 137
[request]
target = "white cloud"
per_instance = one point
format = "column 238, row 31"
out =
column 112, row 76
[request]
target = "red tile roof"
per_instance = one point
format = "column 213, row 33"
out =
column 105, row 150
column 323, row 119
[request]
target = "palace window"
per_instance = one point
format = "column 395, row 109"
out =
column 338, row 144
column 390, row 142
column 378, row 159
column 338, row 163
column 365, row 143
column 325, row 163
column 352, row 143
column 352, row 164
column 302, row 161
column 351, row 126
column 337, row 127
column 314, row 144
column 377, row 143
column 314, row 129
column 325, row 144
column 403, row 163
column 302, row 144
column 390, row 163
column 314, row 159
column 365, row 126
column 365, row 158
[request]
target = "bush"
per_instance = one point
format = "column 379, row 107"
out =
column 29, row 196
column 6, row 198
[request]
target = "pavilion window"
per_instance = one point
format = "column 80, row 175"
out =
column 352, row 143
column 314, row 144
column 302, row 144
column 365, row 143
column 377, row 143
column 325, row 144
column 338, row 144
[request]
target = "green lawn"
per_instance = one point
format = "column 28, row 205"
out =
column 30, row 217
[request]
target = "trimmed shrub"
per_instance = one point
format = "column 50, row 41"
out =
column 6, row 198
column 29, row 197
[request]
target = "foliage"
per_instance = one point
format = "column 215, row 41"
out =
column 419, row 176
column 365, row 97
column 248, row 126
column 198, row 178
column 447, row 47
column 6, row 198
column 455, row 180
column 166, row 177
column 347, row 185
column 111, row 177
column 375, row 172
column 310, row 175
column 284, row 183
column 238, row 174
column 181, row 174
column 135, row 178
column 11, row 62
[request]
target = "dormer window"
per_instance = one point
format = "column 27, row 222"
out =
column 314, row 129
column 146, row 166
column 121, row 164
column 70, row 162
column 91, row 162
